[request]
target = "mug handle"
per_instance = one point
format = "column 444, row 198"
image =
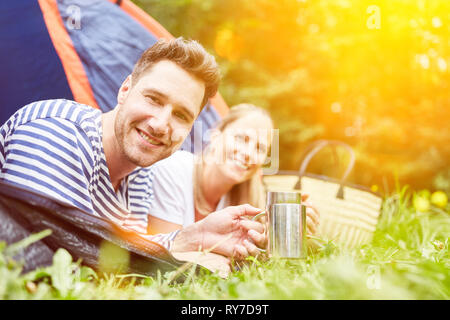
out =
column 253, row 219
column 258, row 215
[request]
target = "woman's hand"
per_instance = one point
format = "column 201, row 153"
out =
column 312, row 215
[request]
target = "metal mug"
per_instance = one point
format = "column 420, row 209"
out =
column 286, row 225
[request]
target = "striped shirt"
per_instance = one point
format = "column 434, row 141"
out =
column 55, row 147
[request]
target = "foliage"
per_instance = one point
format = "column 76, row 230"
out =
column 329, row 69
column 407, row 259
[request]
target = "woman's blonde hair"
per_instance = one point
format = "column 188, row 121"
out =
column 250, row 191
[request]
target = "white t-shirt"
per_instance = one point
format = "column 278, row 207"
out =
column 174, row 189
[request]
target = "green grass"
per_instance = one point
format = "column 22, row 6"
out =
column 408, row 259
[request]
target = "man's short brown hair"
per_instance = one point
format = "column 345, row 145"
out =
column 189, row 55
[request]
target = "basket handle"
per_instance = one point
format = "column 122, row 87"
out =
column 316, row 147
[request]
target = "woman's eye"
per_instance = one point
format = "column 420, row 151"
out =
column 262, row 148
column 242, row 138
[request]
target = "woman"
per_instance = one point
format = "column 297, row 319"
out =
column 228, row 172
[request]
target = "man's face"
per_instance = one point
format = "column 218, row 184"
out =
column 157, row 113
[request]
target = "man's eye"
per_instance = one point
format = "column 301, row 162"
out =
column 154, row 100
column 181, row 116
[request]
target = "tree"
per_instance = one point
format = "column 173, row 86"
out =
column 374, row 74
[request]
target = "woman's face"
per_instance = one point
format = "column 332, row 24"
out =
column 241, row 149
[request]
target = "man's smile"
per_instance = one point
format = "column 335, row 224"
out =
column 150, row 139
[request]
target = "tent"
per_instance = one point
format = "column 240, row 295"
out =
column 80, row 50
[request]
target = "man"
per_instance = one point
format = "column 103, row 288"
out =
column 100, row 162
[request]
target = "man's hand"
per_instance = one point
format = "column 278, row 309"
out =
column 227, row 232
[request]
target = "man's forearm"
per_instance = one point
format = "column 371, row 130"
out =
column 188, row 239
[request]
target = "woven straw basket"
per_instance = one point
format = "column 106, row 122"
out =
column 348, row 213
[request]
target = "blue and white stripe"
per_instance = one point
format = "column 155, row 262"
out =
column 55, row 147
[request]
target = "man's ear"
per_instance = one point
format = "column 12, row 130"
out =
column 124, row 90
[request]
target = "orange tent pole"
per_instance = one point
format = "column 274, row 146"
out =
column 73, row 67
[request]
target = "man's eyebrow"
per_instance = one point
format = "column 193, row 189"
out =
column 155, row 92
column 187, row 111
column 165, row 97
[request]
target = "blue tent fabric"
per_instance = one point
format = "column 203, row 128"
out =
column 108, row 47
column 30, row 68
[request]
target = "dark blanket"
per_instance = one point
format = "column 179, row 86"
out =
column 23, row 212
